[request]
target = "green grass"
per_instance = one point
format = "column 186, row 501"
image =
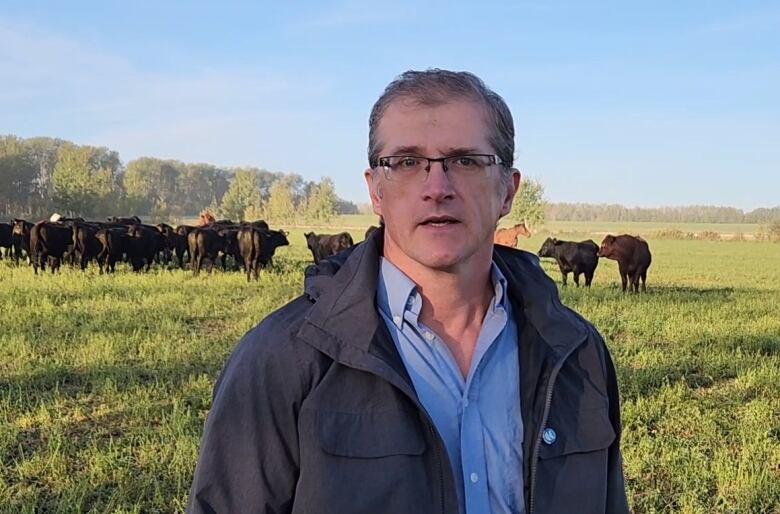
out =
column 105, row 381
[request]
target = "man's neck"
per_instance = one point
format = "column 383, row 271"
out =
column 454, row 302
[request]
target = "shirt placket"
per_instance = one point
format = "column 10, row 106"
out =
column 472, row 444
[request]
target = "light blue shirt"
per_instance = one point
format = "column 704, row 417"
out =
column 478, row 417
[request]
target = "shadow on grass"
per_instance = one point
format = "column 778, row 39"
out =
column 60, row 380
column 722, row 360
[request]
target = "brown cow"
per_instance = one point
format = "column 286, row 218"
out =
column 323, row 246
column 632, row 255
column 508, row 236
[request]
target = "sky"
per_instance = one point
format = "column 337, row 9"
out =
column 639, row 103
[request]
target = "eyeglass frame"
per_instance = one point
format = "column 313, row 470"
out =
column 495, row 160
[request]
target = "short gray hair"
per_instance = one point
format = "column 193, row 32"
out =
column 435, row 87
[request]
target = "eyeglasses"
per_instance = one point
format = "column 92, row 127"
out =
column 411, row 167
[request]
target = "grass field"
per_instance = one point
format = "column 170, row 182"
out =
column 105, row 381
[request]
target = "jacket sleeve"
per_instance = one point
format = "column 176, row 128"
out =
column 616, row 488
column 249, row 458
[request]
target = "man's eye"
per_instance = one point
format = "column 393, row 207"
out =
column 465, row 162
column 407, row 162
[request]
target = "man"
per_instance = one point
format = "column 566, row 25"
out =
column 424, row 370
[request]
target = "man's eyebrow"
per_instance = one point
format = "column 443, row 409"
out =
column 407, row 150
column 462, row 150
column 416, row 150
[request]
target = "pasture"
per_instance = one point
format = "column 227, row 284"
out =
column 105, row 381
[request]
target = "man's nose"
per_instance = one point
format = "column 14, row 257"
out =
column 438, row 184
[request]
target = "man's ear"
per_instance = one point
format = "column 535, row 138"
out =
column 512, row 185
column 374, row 183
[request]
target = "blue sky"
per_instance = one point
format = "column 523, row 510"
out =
column 639, row 103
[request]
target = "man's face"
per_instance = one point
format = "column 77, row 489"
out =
column 442, row 222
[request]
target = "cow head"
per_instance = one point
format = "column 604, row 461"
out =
column 607, row 246
column 311, row 239
column 548, row 247
column 277, row 238
column 18, row 228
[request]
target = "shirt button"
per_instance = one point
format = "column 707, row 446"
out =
column 429, row 336
column 549, row 436
column 397, row 320
column 474, row 478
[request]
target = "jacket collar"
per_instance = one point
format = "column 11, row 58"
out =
column 343, row 289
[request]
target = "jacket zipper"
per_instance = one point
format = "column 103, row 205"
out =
column 432, row 430
column 545, row 415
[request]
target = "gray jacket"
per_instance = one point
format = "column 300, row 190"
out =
column 314, row 411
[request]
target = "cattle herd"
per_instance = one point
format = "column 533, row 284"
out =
column 251, row 246
column 247, row 245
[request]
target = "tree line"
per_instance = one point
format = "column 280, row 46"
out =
column 686, row 214
column 42, row 175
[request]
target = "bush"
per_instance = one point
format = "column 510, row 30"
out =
column 708, row 235
column 769, row 232
column 670, row 233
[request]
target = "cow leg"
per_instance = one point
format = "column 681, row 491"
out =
column 564, row 274
column 623, row 276
column 588, row 279
column 643, row 276
column 635, row 282
column 577, row 278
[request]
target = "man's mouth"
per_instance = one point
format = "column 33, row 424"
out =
column 439, row 221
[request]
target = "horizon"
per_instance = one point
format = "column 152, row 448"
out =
column 641, row 106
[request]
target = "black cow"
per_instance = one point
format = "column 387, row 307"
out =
column 112, row 241
column 20, row 238
column 632, row 254
column 250, row 244
column 257, row 248
column 573, row 257
column 49, row 241
column 143, row 244
column 272, row 239
column 6, row 241
column 230, row 237
column 323, row 246
column 85, row 242
column 205, row 243
column 180, row 243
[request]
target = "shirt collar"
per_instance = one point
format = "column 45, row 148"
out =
column 397, row 293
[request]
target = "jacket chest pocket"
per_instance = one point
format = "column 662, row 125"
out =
column 572, row 473
column 572, row 432
column 369, row 435
column 365, row 462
